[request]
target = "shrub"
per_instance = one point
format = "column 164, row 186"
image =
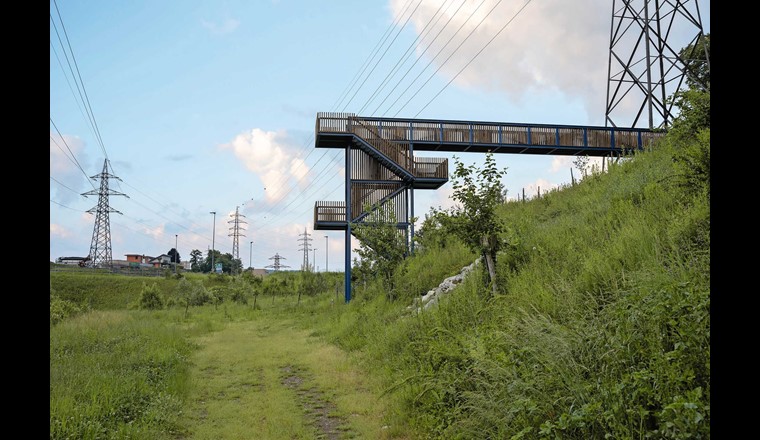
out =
column 150, row 297
column 61, row 309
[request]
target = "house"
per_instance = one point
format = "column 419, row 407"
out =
column 140, row 260
column 257, row 272
column 77, row 261
column 161, row 260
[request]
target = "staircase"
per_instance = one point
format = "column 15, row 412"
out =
column 380, row 171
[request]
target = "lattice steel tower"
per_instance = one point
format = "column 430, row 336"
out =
column 305, row 248
column 236, row 234
column 100, row 247
column 645, row 63
column 277, row 265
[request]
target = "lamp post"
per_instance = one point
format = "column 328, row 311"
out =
column 250, row 257
column 314, row 266
column 327, row 267
column 213, row 234
column 176, row 260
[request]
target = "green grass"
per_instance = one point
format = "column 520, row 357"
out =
column 601, row 330
column 116, row 374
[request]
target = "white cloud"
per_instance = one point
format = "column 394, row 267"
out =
column 547, row 46
column 542, row 185
column 560, row 163
column 156, row 232
column 268, row 154
column 225, row 27
column 444, row 198
column 59, row 231
column 550, row 45
column 63, row 168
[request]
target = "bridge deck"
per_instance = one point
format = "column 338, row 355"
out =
column 333, row 130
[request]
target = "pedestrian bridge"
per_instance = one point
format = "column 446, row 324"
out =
column 381, row 165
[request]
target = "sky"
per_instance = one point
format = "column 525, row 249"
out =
column 207, row 106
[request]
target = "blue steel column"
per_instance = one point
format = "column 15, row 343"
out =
column 411, row 197
column 411, row 193
column 348, row 224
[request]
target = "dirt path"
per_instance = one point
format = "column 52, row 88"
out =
column 265, row 379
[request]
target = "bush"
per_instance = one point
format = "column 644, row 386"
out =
column 239, row 296
column 61, row 309
column 150, row 298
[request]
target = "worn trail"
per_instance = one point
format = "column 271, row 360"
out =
column 266, row 379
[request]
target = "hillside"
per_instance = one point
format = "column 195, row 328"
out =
column 602, row 325
column 600, row 329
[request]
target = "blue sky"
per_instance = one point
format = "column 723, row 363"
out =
column 210, row 105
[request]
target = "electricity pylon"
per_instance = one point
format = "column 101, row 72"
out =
column 305, row 248
column 100, row 247
column 236, row 234
column 277, row 265
column 646, row 63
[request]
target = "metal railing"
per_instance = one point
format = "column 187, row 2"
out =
column 431, row 167
column 490, row 133
column 332, row 212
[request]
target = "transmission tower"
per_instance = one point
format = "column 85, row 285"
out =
column 305, row 248
column 277, row 265
column 236, row 234
column 100, row 247
column 645, row 63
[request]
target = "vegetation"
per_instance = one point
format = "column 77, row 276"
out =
column 116, row 375
column 599, row 328
column 382, row 246
column 474, row 220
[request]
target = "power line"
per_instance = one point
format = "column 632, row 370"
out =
column 419, row 57
column 73, row 57
column 58, row 182
column 64, row 206
column 403, row 57
column 76, row 162
column 439, row 52
column 383, row 55
column 336, row 155
column 475, row 56
column 69, row 83
column 372, row 54
column 340, row 100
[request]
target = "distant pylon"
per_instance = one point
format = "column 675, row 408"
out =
column 236, row 234
column 645, row 67
column 305, row 248
column 277, row 265
column 100, row 247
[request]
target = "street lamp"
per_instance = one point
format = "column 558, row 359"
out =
column 314, row 266
column 327, row 267
column 213, row 234
column 176, row 260
column 250, row 257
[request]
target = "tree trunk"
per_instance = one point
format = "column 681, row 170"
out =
column 490, row 259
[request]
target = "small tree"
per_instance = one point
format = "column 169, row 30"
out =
column 307, row 284
column 255, row 282
column 192, row 293
column 196, row 260
column 434, row 230
column 475, row 221
column 382, row 245
column 581, row 163
column 150, row 297
column 174, row 255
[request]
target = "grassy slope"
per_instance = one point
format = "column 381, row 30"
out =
column 603, row 328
